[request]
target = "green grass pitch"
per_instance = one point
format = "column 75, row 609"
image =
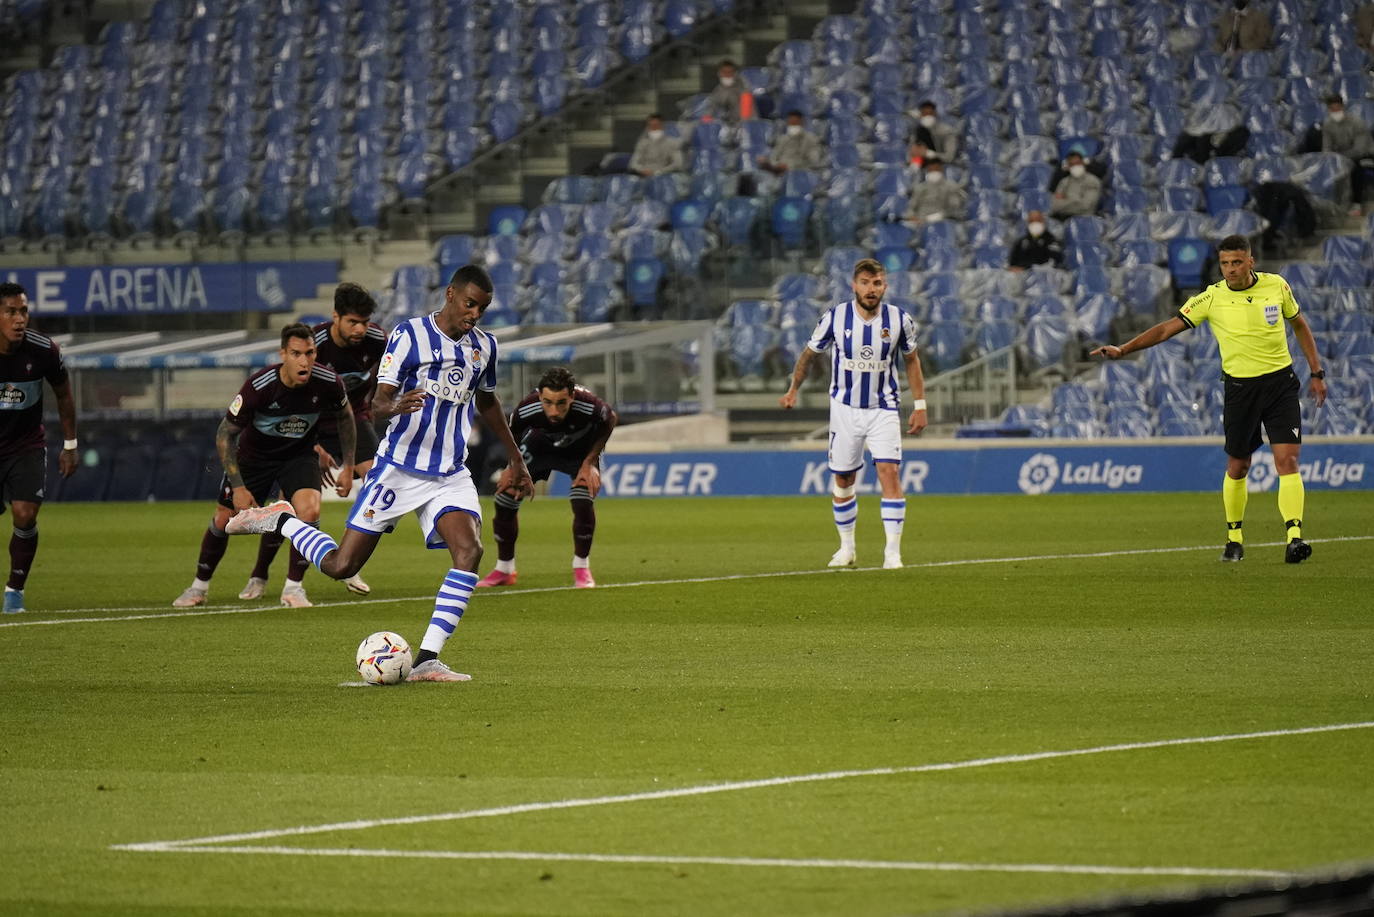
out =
column 127, row 723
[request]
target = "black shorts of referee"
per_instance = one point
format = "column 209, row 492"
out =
column 1270, row 400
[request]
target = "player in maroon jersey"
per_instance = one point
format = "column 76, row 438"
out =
column 560, row 426
column 352, row 346
column 26, row 359
column 268, row 437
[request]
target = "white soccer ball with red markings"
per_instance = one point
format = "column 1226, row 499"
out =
column 384, row 658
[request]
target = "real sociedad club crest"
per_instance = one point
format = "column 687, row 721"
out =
column 1271, row 314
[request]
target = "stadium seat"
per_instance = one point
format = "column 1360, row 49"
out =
column 643, row 278
column 1188, row 260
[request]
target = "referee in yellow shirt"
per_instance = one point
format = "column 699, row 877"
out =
column 1247, row 311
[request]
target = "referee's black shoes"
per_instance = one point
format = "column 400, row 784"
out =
column 1234, row 551
column 1297, row 551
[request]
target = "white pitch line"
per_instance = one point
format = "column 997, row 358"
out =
column 709, row 788
column 638, row 584
column 774, row 862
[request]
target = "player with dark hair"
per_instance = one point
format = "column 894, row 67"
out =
column 352, row 346
column 438, row 371
column 560, row 426
column 870, row 337
column 268, row 438
column 1247, row 311
column 26, row 359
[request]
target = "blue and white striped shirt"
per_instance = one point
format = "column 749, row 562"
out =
column 434, row 439
column 863, row 373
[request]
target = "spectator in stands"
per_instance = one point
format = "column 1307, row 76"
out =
column 726, row 97
column 935, row 198
column 655, row 152
column 1364, row 27
column 933, row 134
column 1278, row 201
column 1037, row 246
column 794, row 148
column 26, row 359
column 1346, row 134
column 1212, row 130
column 1077, row 193
column 1243, row 28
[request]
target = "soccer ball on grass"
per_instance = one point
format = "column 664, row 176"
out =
column 384, row 658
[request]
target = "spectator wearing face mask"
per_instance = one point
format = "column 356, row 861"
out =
column 725, row 98
column 1037, row 246
column 933, row 134
column 1346, row 134
column 1077, row 193
column 1243, row 28
column 794, row 148
column 935, row 198
column 655, row 152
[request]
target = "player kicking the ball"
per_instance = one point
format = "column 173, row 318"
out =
column 438, row 371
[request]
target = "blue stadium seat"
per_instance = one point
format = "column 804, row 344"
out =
column 1346, row 275
column 1226, row 197
column 1046, row 338
column 944, row 344
column 505, row 220
column 643, row 278
column 790, row 216
column 1095, row 314
column 1187, row 260
column 452, row 252
column 895, row 258
column 1346, row 248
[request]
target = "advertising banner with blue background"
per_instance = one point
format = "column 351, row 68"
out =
column 1023, row 469
column 126, row 289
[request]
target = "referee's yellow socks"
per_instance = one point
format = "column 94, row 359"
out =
column 1292, row 496
column 1233, row 497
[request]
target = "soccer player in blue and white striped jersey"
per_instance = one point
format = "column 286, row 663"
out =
column 438, row 371
column 867, row 337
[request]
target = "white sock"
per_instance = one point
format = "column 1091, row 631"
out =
column 894, row 518
column 581, row 563
column 202, row 584
column 505, row 566
column 291, row 584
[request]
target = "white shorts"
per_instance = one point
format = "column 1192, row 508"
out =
column 390, row 491
column 852, row 428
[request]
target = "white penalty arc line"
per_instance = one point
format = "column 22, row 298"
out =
column 773, row 862
column 710, row 788
column 152, row 612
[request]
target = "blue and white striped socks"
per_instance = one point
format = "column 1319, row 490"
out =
column 846, row 513
column 894, row 517
column 449, row 606
column 310, row 541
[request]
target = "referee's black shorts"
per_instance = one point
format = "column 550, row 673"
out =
column 1271, row 400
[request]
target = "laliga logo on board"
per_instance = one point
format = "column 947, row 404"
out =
column 1042, row 471
column 1263, row 475
column 1038, row 474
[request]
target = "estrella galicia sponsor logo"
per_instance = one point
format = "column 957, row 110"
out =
column 1042, row 471
column 292, row 427
column 10, row 396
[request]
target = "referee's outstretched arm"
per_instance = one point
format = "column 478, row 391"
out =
column 1150, row 337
